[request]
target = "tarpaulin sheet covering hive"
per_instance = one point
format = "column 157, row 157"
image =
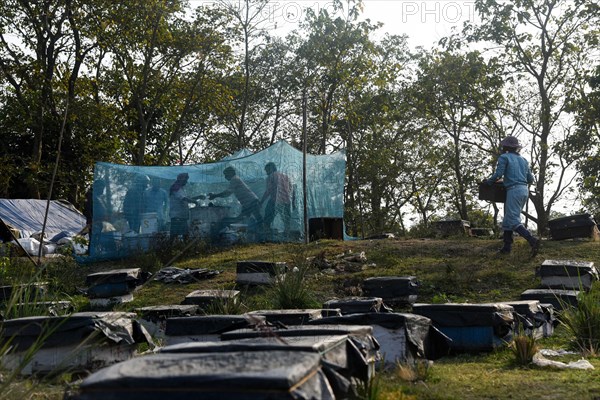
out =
column 134, row 205
column 26, row 217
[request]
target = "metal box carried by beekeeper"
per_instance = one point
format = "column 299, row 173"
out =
column 495, row 193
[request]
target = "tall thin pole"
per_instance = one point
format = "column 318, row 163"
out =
column 304, row 124
column 56, row 162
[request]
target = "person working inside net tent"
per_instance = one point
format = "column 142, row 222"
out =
column 279, row 196
column 95, row 210
column 133, row 203
column 179, row 210
column 156, row 200
column 248, row 200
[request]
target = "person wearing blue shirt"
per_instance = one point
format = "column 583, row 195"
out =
column 248, row 200
column 156, row 200
column 133, row 202
column 514, row 169
column 179, row 206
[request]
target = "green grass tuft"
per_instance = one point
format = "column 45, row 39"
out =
column 524, row 347
column 293, row 290
column 583, row 322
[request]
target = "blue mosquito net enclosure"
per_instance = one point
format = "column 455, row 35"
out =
column 244, row 197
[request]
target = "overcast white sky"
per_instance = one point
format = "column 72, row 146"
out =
column 424, row 21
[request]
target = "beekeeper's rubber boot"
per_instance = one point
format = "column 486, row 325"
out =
column 533, row 241
column 507, row 242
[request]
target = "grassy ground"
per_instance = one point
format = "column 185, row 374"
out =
column 456, row 270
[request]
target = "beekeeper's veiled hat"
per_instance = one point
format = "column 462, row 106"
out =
column 510, row 141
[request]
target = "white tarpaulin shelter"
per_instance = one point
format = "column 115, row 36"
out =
column 26, row 217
